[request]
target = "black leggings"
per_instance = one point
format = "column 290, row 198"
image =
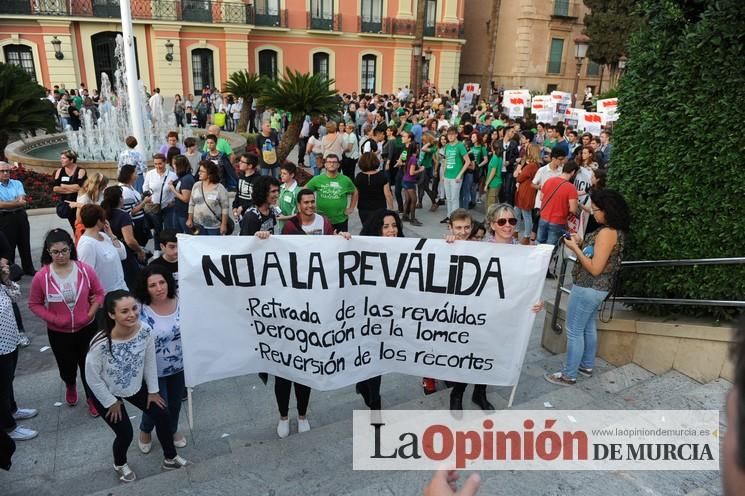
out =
column 460, row 387
column 70, row 349
column 370, row 391
column 123, row 428
column 282, row 389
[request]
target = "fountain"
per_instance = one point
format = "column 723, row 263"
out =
column 99, row 142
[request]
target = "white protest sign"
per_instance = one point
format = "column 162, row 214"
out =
column 542, row 108
column 560, row 100
column 466, row 95
column 572, row 116
column 592, row 122
column 515, row 101
column 329, row 312
column 609, row 107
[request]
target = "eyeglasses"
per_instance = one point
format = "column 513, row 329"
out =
column 502, row 222
column 57, row 253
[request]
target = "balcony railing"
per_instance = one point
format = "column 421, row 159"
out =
column 332, row 23
column 429, row 30
column 555, row 67
column 206, row 11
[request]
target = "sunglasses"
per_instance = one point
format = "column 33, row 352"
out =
column 502, row 222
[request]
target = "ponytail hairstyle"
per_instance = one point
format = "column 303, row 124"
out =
column 109, row 305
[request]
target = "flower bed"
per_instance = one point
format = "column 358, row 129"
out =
column 38, row 187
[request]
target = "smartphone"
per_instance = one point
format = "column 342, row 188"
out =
column 147, row 193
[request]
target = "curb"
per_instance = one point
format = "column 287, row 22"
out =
column 41, row 211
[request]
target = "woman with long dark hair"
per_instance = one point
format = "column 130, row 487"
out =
column 66, row 294
column 374, row 189
column 121, row 365
column 385, row 223
column 410, row 173
column 122, row 226
column 160, row 311
column 598, row 262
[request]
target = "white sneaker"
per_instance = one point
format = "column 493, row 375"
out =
column 125, row 473
column 174, row 463
column 283, row 428
column 21, row 433
column 303, row 425
column 25, row 413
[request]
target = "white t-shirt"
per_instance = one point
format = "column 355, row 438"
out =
column 316, row 228
column 67, row 285
column 583, row 181
column 544, row 174
column 105, row 259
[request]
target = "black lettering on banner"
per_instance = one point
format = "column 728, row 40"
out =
column 348, row 271
column 271, row 261
column 230, row 275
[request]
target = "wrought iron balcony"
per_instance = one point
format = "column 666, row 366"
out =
column 206, row 11
column 332, row 23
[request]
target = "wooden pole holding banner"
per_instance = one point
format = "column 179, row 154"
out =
column 189, row 409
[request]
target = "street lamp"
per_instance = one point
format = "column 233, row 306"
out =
column 416, row 61
column 581, row 44
column 57, row 44
column 169, row 50
column 425, row 66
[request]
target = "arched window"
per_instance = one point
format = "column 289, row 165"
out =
column 21, row 56
column 202, row 69
column 321, row 64
column 268, row 63
column 103, row 45
column 369, row 68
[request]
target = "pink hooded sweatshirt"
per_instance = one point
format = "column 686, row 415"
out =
column 47, row 303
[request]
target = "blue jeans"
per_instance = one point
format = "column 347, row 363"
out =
column 549, row 233
column 524, row 222
column 465, row 190
column 180, row 225
column 210, row 231
column 139, row 182
column 582, row 329
column 270, row 171
column 171, row 390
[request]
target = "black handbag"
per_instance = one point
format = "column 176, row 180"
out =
column 63, row 209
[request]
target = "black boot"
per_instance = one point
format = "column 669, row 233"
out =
column 456, row 404
column 479, row 397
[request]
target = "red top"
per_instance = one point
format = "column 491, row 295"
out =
column 556, row 193
column 525, row 196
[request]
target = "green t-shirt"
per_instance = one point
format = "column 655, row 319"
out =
column 478, row 153
column 407, row 126
column 454, row 154
column 223, row 145
column 426, row 158
column 78, row 102
column 287, row 201
column 332, row 195
column 495, row 164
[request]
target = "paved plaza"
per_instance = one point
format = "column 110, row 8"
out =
column 235, row 449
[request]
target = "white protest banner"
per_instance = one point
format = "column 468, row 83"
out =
column 560, row 100
column 572, row 116
column 609, row 107
column 515, row 101
column 592, row 122
column 329, row 312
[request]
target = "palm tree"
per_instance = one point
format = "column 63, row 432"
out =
column 246, row 85
column 23, row 106
column 300, row 94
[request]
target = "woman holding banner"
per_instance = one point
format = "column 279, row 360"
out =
column 385, row 223
column 160, row 311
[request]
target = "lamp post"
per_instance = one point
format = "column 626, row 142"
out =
column 416, row 64
column 130, row 64
column 169, row 51
column 425, row 66
column 581, row 44
column 57, row 45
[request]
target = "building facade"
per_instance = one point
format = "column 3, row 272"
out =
column 183, row 45
column 535, row 45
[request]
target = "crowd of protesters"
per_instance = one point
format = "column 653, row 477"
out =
column 111, row 305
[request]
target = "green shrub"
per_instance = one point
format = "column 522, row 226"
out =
column 678, row 157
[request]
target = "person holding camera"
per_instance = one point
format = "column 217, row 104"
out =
column 594, row 274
